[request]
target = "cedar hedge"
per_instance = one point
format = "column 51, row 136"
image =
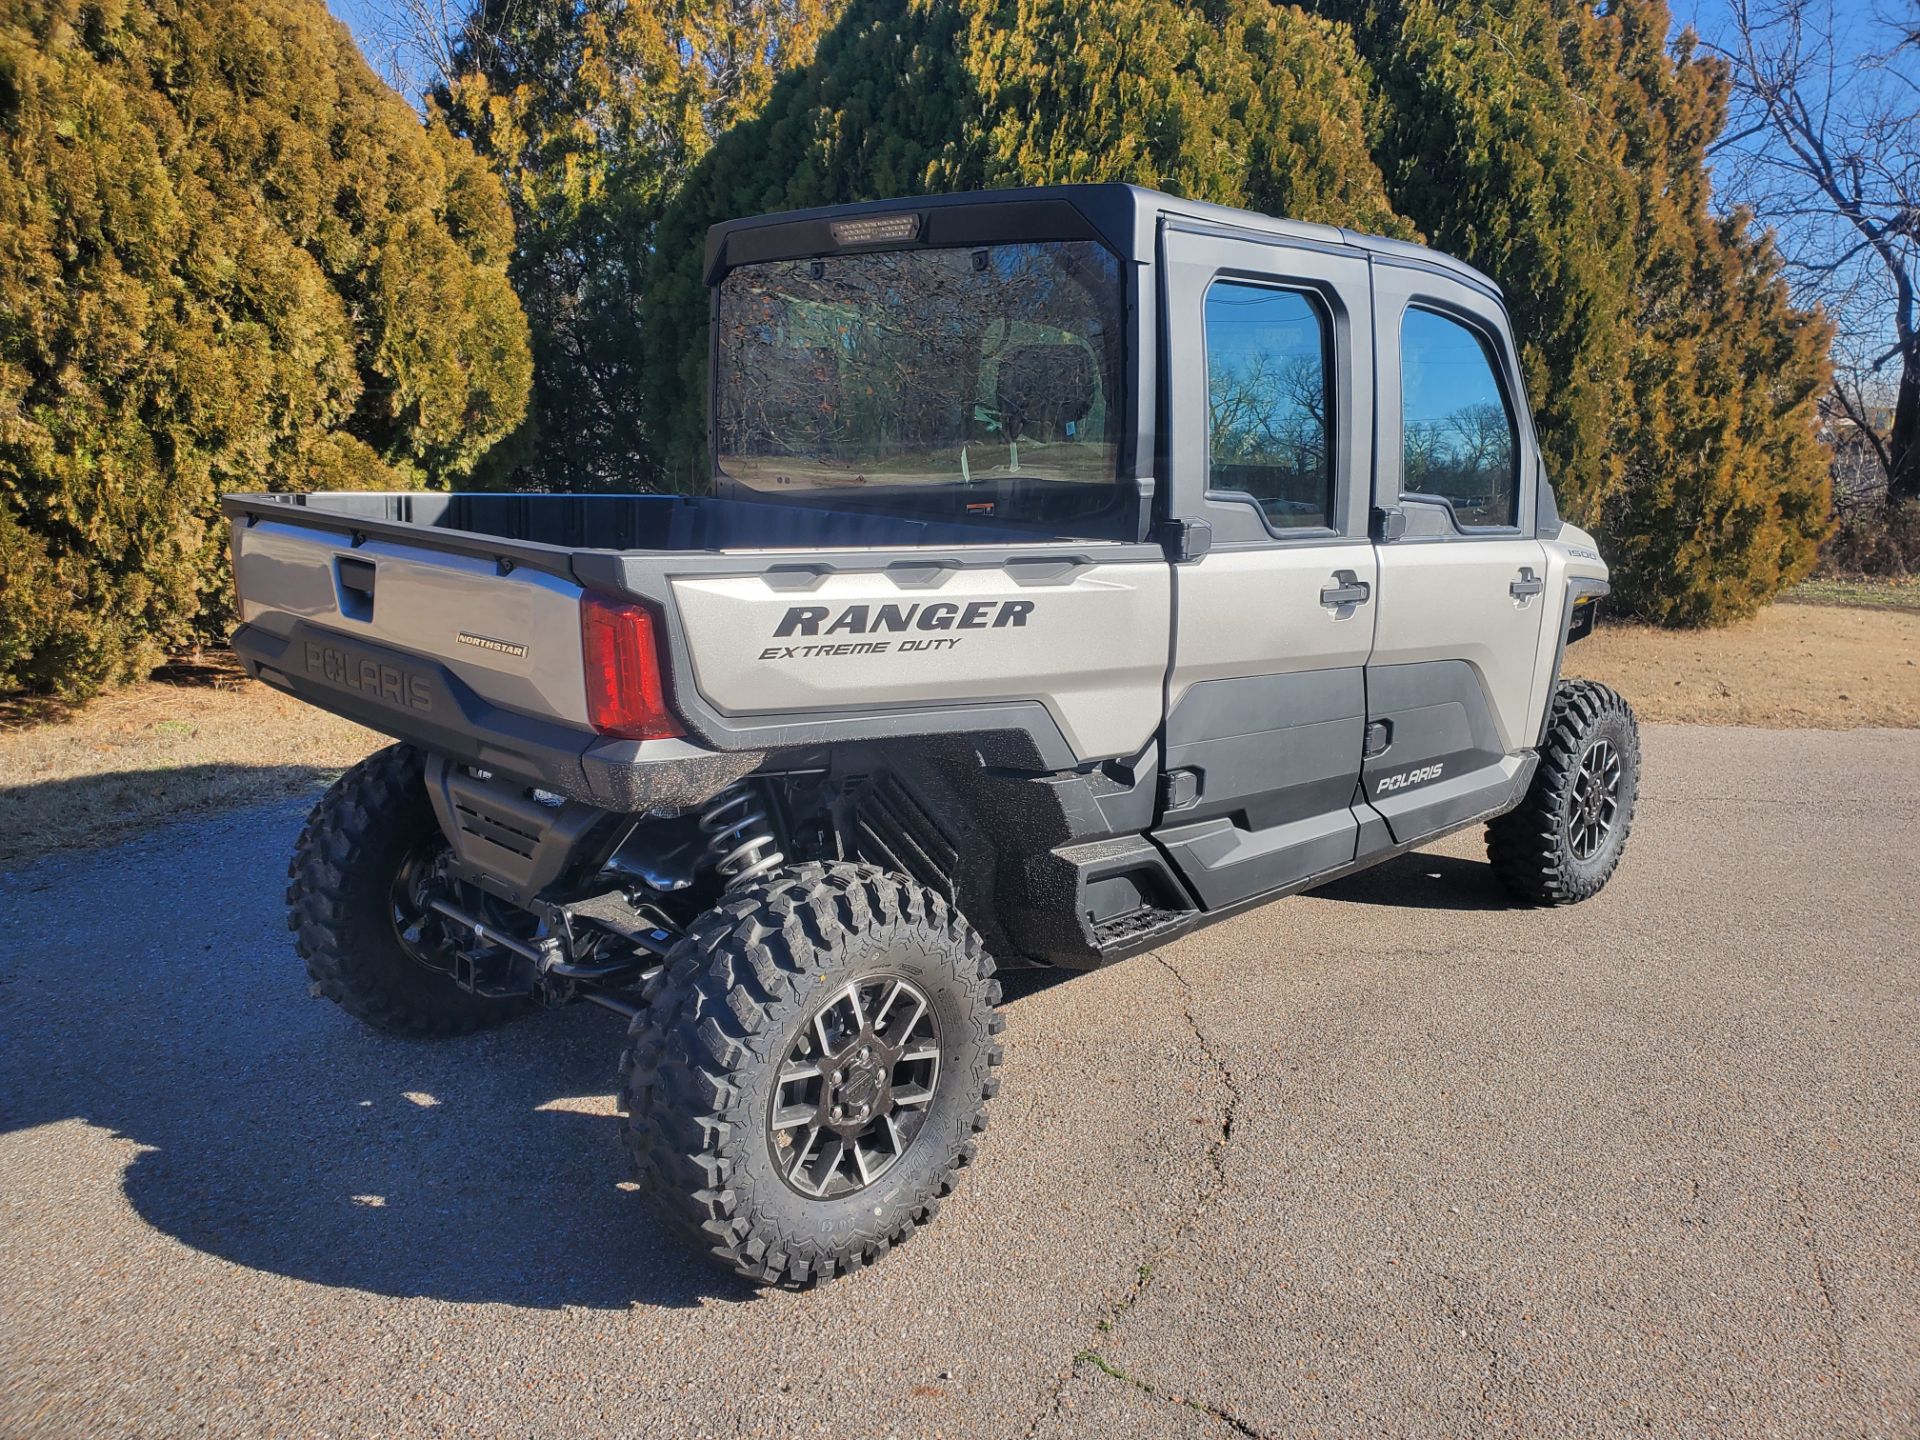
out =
column 230, row 258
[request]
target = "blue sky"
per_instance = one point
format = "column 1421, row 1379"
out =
column 372, row 26
column 1711, row 19
column 359, row 15
column 1859, row 296
column 1705, row 16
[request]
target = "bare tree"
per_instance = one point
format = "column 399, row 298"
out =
column 411, row 42
column 1824, row 147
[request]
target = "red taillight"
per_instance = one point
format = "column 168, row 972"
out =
column 625, row 694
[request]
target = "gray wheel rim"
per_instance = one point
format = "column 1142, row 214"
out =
column 855, row 1087
column 1594, row 808
column 413, row 923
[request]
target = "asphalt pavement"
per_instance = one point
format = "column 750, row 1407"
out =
column 1396, row 1158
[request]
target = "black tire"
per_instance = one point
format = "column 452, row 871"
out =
column 340, row 903
column 1534, row 848
column 699, row 1076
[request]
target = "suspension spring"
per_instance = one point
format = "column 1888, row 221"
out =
column 740, row 843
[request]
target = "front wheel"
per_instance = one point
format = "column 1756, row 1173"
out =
column 811, row 1070
column 1564, row 841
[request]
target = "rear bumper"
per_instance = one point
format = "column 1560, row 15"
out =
column 421, row 701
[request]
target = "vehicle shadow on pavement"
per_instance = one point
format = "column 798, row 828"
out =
column 279, row 1134
column 1017, row 983
column 1422, row 881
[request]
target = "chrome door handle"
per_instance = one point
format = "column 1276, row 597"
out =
column 1527, row 586
column 1347, row 589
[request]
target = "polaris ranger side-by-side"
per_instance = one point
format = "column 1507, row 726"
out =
column 1083, row 565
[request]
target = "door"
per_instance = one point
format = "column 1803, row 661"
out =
column 1460, row 601
column 1269, row 361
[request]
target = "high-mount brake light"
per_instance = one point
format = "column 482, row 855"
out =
column 876, row 229
column 626, row 696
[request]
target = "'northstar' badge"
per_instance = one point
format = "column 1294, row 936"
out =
column 487, row 642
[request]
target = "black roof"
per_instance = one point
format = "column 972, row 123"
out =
column 1125, row 217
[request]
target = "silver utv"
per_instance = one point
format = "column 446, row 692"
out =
column 1081, row 566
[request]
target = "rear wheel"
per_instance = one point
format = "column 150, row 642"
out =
column 811, row 1070
column 355, row 903
column 1564, row 841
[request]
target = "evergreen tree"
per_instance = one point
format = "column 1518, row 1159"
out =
column 230, row 259
column 1558, row 147
column 1563, row 150
column 1242, row 102
column 1489, row 145
column 592, row 113
column 1725, row 497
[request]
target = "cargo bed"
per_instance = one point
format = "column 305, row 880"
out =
column 454, row 620
column 542, row 530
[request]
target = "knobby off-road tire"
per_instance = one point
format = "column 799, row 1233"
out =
column 1564, row 841
column 723, row 1020
column 340, row 903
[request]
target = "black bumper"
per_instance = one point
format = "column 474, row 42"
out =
column 422, row 701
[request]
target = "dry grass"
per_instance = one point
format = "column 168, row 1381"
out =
column 1872, row 594
column 1807, row 666
column 204, row 738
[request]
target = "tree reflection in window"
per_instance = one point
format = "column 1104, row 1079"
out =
column 1457, row 435
column 974, row 383
column 1267, row 411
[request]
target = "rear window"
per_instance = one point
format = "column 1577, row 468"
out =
column 983, row 383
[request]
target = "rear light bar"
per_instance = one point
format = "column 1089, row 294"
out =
column 626, row 695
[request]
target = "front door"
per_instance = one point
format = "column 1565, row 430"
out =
column 1461, row 593
column 1269, row 365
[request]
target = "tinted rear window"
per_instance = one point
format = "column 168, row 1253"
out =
column 983, row 383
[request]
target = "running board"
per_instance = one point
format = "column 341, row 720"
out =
column 1139, row 930
column 1099, row 901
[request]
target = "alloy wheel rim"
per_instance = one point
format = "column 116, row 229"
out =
column 1595, row 805
column 855, row 1087
column 423, row 935
column 407, row 903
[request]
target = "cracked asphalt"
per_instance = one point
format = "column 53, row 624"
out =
column 1391, row 1159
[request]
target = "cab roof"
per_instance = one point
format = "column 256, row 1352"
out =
column 1124, row 217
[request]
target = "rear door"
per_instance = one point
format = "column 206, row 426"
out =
column 1269, row 367
column 1460, row 599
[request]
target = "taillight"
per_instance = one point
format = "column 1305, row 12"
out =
column 625, row 694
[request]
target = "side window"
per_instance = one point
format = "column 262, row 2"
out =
column 1268, row 417
column 1457, row 433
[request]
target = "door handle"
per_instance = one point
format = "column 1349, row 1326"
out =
column 1527, row 586
column 1347, row 589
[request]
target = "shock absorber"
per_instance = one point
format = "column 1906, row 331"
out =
column 740, row 843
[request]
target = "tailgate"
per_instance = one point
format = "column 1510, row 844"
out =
column 512, row 639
